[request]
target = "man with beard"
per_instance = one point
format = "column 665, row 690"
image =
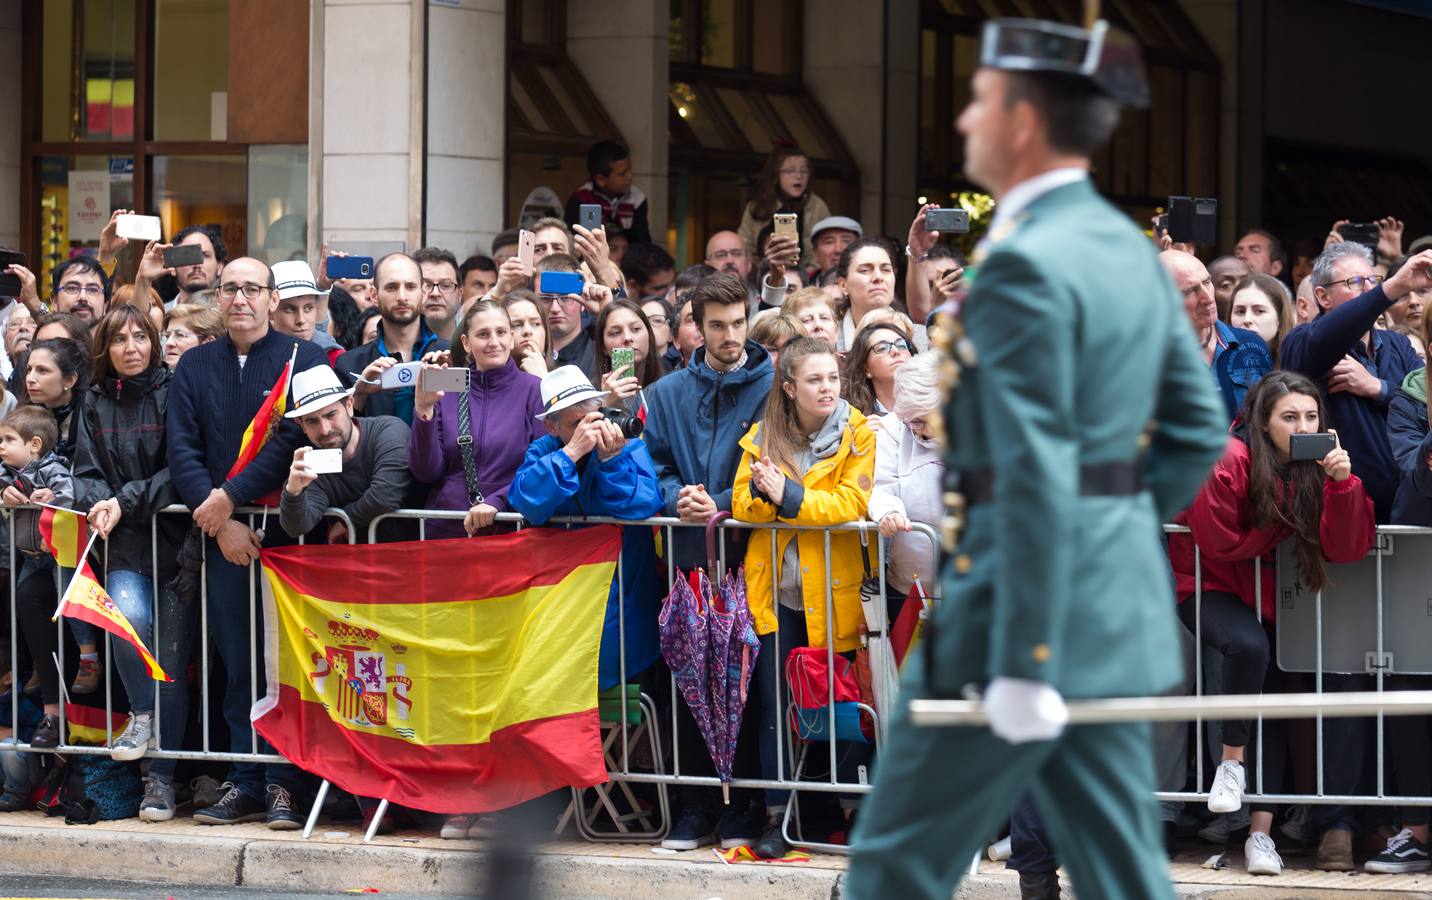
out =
column 196, row 282
column 80, row 288
column 375, row 477
column 403, row 336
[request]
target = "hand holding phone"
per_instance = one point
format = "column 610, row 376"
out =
column 401, row 375
column 526, row 242
column 1311, row 447
column 784, row 223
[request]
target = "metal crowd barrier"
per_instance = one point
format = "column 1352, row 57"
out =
column 1197, row 707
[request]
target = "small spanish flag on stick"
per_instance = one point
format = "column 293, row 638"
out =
column 266, row 421
column 85, row 598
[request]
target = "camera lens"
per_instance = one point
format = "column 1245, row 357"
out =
column 630, row 425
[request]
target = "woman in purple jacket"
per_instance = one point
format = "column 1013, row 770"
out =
column 503, row 404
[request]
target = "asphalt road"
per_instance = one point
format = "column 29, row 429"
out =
column 31, row 887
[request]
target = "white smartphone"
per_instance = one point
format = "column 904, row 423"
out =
column 400, row 376
column 325, row 462
column 450, row 380
column 141, row 228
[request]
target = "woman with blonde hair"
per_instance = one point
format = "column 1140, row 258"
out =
column 809, row 462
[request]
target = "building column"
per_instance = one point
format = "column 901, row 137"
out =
column 872, row 102
column 10, row 211
column 364, row 140
column 623, row 50
column 466, row 113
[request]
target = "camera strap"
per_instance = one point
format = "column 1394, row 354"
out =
column 464, row 447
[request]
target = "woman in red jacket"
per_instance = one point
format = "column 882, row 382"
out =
column 1255, row 499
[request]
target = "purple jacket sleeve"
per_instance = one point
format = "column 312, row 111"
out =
column 425, row 449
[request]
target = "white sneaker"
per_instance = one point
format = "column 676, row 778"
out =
column 1261, row 855
column 455, row 828
column 1228, row 785
column 133, row 742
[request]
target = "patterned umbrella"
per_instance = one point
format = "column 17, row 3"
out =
column 734, row 647
column 685, row 645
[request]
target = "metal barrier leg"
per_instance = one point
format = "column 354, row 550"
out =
column 317, row 808
column 377, row 820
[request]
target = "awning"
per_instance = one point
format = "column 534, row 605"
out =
column 721, row 119
column 550, row 106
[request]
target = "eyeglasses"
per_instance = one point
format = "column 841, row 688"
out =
column 1357, row 282
column 880, row 348
column 228, row 290
column 74, row 289
column 793, row 172
column 738, row 253
column 177, row 334
column 442, row 287
column 564, row 299
column 658, row 321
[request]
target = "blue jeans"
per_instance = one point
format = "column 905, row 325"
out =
column 22, row 770
column 133, row 593
column 233, row 595
column 178, row 626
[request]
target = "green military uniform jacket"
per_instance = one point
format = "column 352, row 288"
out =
column 1047, row 584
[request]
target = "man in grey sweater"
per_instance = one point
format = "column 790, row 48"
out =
column 370, row 476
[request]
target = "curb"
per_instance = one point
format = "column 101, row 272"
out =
column 200, row 860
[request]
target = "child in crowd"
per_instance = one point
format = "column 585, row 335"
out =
column 34, row 473
column 21, row 770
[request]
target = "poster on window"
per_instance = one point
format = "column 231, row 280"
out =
column 89, row 205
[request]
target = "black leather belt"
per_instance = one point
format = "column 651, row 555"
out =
column 1111, row 479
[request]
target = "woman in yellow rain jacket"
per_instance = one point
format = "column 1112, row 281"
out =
column 810, row 462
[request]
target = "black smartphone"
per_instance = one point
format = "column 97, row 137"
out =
column 10, row 284
column 183, row 255
column 1193, row 220
column 1365, row 233
column 1161, row 225
column 947, row 221
column 589, row 216
column 1311, row 446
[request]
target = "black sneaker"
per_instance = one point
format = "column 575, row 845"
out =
column 234, row 807
column 1404, row 853
column 47, row 733
column 772, row 844
column 1039, row 886
column 281, row 814
column 11, row 802
column 736, row 829
column 694, row 829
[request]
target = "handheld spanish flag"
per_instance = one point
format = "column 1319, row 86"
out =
column 436, row 674
column 66, row 535
column 85, row 598
column 266, row 420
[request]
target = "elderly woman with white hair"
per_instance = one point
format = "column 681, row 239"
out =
column 908, row 474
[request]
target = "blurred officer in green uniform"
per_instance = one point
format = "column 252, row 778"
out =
column 1080, row 417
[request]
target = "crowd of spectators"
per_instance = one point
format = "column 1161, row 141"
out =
column 787, row 377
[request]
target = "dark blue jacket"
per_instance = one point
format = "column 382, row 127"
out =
column 695, row 418
column 211, row 403
column 1241, row 360
column 1314, row 348
column 1407, row 435
column 549, row 484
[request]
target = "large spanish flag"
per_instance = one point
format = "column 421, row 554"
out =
column 453, row 676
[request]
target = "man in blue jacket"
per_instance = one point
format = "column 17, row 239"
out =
column 1358, row 367
column 695, row 419
column 585, row 466
column 1239, row 358
column 217, row 389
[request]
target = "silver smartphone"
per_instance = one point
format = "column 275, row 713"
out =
column 451, row 380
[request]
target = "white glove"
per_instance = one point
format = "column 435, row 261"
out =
column 1021, row 710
